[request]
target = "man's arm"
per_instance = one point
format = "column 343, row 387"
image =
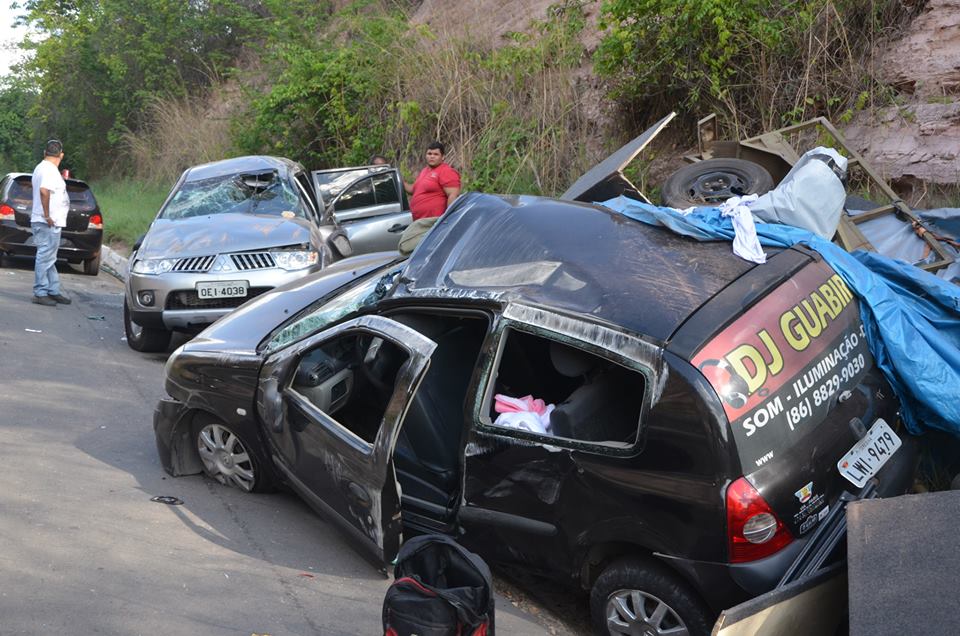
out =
column 45, row 202
column 452, row 193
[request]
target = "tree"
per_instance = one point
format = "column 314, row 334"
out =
column 98, row 62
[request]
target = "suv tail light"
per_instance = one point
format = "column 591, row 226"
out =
column 7, row 213
column 96, row 222
column 753, row 529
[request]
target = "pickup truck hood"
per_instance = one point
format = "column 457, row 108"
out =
column 222, row 233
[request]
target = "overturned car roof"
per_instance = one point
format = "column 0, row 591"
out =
column 574, row 257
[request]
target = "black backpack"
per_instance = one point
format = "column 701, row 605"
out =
column 439, row 589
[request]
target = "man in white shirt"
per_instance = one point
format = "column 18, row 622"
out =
column 50, row 206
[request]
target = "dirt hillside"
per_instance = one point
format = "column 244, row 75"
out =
column 491, row 20
column 915, row 141
column 919, row 139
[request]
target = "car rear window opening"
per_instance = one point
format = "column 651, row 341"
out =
column 551, row 388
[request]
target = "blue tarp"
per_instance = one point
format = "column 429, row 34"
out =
column 911, row 318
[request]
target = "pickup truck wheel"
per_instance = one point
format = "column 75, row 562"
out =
column 229, row 458
column 635, row 596
column 144, row 339
column 712, row 181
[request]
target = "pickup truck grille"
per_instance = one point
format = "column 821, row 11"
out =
column 252, row 260
column 194, row 264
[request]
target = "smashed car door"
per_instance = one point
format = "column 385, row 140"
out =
column 368, row 203
column 557, row 390
column 332, row 406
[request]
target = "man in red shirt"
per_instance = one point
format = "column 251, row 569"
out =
column 436, row 186
column 434, row 189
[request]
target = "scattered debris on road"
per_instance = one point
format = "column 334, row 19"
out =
column 168, row 500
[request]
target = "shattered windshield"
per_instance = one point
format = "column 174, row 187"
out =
column 367, row 292
column 262, row 193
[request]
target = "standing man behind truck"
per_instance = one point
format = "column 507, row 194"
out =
column 50, row 206
column 433, row 191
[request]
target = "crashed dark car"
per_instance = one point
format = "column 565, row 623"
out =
column 709, row 417
column 80, row 240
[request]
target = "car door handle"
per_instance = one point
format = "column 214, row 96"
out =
column 398, row 227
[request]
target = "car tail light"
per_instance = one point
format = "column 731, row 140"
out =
column 753, row 529
column 7, row 213
column 96, row 222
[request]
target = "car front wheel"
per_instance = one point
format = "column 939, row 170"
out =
column 635, row 596
column 144, row 339
column 230, row 459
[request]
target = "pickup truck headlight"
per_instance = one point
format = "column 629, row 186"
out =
column 291, row 260
column 153, row 265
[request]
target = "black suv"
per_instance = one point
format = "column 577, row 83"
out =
column 80, row 240
column 703, row 419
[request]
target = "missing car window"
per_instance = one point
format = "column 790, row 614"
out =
column 550, row 388
column 351, row 379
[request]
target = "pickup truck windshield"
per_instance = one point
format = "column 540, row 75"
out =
column 262, row 193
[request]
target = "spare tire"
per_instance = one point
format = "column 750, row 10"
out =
column 713, row 181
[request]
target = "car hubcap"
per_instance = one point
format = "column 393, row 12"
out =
column 717, row 186
column 224, row 457
column 638, row 613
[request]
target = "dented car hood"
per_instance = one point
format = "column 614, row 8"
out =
column 221, row 233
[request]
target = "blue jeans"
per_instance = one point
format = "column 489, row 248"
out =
column 46, row 280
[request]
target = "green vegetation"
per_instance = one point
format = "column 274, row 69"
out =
column 128, row 207
column 373, row 85
column 104, row 59
column 759, row 64
column 16, row 129
column 143, row 90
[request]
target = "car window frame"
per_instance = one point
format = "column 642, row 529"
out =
column 300, row 180
column 638, row 356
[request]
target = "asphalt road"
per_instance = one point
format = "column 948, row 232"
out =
column 85, row 551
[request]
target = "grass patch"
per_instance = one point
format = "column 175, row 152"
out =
column 128, row 208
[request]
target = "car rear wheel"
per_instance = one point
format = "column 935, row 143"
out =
column 144, row 339
column 91, row 266
column 634, row 596
column 230, row 459
column 713, row 181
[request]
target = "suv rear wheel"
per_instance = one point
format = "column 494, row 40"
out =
column 635, row 596
column 144, row 339
column 91, row 266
